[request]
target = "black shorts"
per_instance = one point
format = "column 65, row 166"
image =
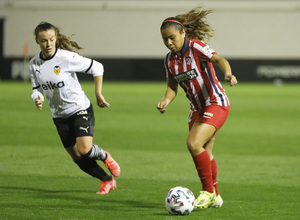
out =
column 80, row 124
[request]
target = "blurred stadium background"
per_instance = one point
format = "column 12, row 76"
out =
column 259, row 38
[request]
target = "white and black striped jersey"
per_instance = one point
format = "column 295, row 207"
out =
column 56, row 77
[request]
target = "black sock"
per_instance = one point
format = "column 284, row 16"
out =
column 91, row 167
column 96, row 153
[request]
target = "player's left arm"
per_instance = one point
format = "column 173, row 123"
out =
column 224, row 66
column 98, row 92
column 82, row 64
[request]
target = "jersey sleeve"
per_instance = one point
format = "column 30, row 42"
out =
column 82, row 64
column 167, row 67
column 37, row 91
column 203, row 50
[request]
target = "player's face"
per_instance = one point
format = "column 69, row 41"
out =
column 47, row 41
column 173, row 39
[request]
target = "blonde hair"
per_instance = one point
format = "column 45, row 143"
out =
column 193, row 22
column 62, row 41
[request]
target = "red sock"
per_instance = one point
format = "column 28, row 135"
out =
column 214, row 175
column 203, row 166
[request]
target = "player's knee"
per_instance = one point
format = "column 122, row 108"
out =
column 84, row 145
column 194, row 146
column 191, row 145
column 72, row 151
column 83, row 148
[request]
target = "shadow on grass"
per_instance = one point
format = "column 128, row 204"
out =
column 79, row 199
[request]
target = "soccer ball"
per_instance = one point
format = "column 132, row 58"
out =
column 180, row 201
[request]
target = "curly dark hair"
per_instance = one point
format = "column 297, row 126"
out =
column 193, row 22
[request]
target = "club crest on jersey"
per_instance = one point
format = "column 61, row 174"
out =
column 56, row 70
column 185, row 76
column 188, row 60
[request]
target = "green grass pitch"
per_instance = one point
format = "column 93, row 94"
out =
column 257, row 152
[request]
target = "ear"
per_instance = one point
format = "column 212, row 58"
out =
column 36, row 40
column 183, row 32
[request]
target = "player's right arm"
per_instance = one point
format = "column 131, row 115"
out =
column 37, row 92
column 170, row 94
column 39, row 103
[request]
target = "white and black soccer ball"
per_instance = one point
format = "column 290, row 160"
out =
column 180, row 201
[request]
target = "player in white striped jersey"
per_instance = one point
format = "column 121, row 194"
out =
column 190, row 65
column 53, row 73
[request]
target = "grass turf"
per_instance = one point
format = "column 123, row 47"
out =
column 257, row 152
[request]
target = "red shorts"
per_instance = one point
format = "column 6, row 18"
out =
column 213, row 114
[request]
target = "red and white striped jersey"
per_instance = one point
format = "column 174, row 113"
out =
column 196, row 75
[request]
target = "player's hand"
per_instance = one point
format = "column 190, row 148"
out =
column 231, row 79
column 39, row 103
column 162, row 106
column 101, row 101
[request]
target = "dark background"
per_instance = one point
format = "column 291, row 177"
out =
column 119, row 69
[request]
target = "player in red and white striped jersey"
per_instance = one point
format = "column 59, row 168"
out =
column 195, row 64
column 190, row 65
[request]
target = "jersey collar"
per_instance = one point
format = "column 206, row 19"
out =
column 42, row 58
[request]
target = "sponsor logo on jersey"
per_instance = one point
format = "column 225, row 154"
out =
column 185, row 76
column 188, row 60
column 56, row 70
column 50, row 85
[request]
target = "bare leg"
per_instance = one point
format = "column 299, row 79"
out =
column 199, row 136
